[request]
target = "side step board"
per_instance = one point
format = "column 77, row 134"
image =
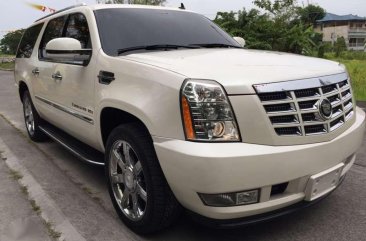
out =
column 76, row 147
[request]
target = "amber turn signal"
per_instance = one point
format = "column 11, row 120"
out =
column 187, row 119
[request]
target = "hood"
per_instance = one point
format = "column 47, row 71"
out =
column 238, row 69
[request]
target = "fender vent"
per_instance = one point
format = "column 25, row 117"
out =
column 105, row 77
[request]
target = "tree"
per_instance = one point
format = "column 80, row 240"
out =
column 276, row 7
column 227, row 21
column 310, row 14
column 286, row 32
column 9, row 43
column 278, row 27
column 253, row 26
column 299, row 40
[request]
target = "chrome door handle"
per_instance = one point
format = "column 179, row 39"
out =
column 57, row 76
column 35, row 71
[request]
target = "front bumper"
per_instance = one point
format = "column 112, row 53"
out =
column 259, row 218
column 212, row 168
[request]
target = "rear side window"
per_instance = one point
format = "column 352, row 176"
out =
column 77, row 28
column 53, row 30
column 28, row 41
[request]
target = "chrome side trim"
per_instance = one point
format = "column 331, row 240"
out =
column 70, row 149
column 300, row 84
column 66, row 110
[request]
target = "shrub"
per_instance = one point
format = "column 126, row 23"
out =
column 340, row 46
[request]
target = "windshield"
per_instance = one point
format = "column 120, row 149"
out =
column 123, row 28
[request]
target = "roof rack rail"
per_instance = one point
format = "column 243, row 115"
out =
column 62, row 10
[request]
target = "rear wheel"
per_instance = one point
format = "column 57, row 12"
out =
column 32, row 119
column 138, row 189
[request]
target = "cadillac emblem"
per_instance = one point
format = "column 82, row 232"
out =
column 325, row 109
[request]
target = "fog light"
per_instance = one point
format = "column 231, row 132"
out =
column 231, row 199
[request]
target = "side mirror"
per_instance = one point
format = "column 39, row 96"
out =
column 240, row 41
column 67, row 50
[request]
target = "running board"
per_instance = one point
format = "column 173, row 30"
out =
column 76, row 147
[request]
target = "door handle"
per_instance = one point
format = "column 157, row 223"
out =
column 57, row 76
column 35, row 71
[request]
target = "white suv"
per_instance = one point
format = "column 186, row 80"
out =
column 182, row 116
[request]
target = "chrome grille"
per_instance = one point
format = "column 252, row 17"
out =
column 294, row 111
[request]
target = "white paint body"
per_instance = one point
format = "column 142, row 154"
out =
column 148, row 86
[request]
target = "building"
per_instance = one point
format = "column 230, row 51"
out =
column 351, row 27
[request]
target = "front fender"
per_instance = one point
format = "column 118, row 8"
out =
column 147, row 92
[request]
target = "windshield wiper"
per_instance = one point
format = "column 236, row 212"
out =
column 216, row 45
column 156, row 47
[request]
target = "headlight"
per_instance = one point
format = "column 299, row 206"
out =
column 206, row 112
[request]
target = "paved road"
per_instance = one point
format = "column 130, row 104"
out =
column 79, row 192
column 17, row 216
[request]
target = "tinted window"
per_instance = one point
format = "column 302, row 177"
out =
column 53, row 30
column 77, row 28
column 28, row 41
column 125, row 28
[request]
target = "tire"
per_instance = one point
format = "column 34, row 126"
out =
column 137, row 186
column 32, row 119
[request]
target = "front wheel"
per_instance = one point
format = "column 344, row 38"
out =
column 138, row 189
column 32, row 119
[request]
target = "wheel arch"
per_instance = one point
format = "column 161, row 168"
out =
column 111, row 117
column 22, row 88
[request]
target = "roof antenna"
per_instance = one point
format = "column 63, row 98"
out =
column 182, row 6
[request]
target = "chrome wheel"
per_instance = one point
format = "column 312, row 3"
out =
column 28, row 115
column 127, row 180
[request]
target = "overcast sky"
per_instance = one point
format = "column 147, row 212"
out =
column 16, row 14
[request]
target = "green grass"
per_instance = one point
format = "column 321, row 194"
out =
column 356, row 66
column 52, row 232
column 357, row 71
column 7, row 65
column 24, row 190
column 35, row 207
column 15, row 175
column 353, row 55
column 6, row 55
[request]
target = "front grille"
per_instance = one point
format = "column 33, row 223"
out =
column 288, row 131
column 274, row 96
column 295, row 112
column 283, row 119
column 307, row 104
column 306, row 93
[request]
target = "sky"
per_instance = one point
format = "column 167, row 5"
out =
column 15, row 14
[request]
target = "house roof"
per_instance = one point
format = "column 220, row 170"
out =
column 329, row 17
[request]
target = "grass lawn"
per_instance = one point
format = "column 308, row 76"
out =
column 6, row 55
column 357, row 70
column 356, row 65
column 7, row 65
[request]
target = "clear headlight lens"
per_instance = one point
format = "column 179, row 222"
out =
column 207, row 113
